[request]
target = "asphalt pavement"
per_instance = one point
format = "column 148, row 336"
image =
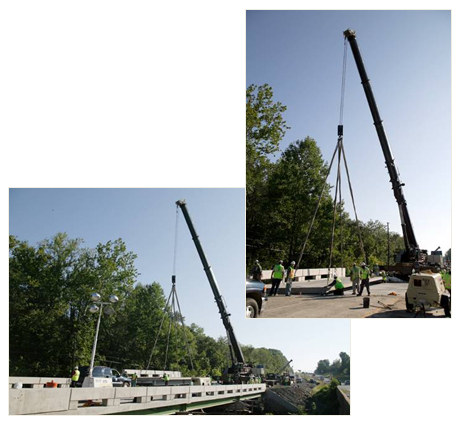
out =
column 387, row 300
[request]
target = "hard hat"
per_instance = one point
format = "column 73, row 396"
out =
column 363, row 263
column 354, row 264
column 281, row 261
column 293, row 263
column 76, row 368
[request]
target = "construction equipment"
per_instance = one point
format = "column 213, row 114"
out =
column 412, row 256
column 239, row 372
column 277, row 378
column 426, row 291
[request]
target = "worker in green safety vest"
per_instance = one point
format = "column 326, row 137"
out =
column 365, row 276
column 166, row 379
column 134, row 380
column 290, row 278
column 338, row 284
column 355, row 278
column 75, row 377
column 277, row 275
column 384, row 276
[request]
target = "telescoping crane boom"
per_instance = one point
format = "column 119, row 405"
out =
column 285, row 366
column 239, row 370
column 412, row 252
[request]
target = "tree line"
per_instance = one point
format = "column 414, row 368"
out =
column 340, row 366
column 51, row 329
column 282, row 194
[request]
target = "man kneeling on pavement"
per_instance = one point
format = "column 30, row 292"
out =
column 338, row 284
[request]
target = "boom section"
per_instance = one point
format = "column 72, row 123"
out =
column 411, row 245
column 213, row 284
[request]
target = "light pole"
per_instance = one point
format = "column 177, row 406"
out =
column 95, row 297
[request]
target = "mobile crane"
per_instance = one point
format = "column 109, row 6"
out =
column 412, row 257
column 239, row 372
column 425, row 289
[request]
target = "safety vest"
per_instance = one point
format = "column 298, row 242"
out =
column 384, row 276
column 76, row 375
column 354, row 272
column 339, row 284
column 364, row 273
column 278, row 272
column 134, row 377
column 166, row 377
column 291, row 272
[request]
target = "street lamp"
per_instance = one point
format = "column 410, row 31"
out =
column 95, row 297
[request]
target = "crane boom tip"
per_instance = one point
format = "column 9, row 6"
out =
column 349, row 33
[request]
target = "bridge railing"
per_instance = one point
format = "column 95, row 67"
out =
column 120, row 399
column 38, row 382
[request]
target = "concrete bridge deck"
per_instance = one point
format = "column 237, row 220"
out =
column 127, row 400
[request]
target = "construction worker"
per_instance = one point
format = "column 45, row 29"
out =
column 277, row 275
column 257, row 272
column 355, row 278
column 134, row 380
column 376, row 270
column 338, row 284
column 75, row 377
column 290, row 278
column 365, row 276
column 166, row 379
column 384, row 276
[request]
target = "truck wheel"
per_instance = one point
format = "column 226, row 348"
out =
column 409, row 306
column 251, row 308
column 126, row 384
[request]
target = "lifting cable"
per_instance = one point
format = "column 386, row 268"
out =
column 172, row 313
column 338, row 195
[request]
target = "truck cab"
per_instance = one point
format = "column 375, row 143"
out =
column 255, row 298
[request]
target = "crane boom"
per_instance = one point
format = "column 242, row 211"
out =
column 411, row 246
column 237, row 356
column 285, row 366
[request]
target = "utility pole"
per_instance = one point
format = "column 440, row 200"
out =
column 388, row 245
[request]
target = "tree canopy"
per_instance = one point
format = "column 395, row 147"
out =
column 282, row 196
column 51, row 329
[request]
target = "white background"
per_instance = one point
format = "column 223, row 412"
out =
column 151, row 94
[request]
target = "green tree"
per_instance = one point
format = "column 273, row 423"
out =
column 323, row 367
column 50, row 286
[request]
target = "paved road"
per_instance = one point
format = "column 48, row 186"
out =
column 347, row 306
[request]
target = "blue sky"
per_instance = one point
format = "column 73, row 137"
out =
column 407, row 55
column 145, row 220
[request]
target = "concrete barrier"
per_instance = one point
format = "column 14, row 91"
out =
column 122, row 399
column 344, row 402
column 309, row 274
column 39, row 401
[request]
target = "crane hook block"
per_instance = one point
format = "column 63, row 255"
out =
column 340, row 130
column 173, row 279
